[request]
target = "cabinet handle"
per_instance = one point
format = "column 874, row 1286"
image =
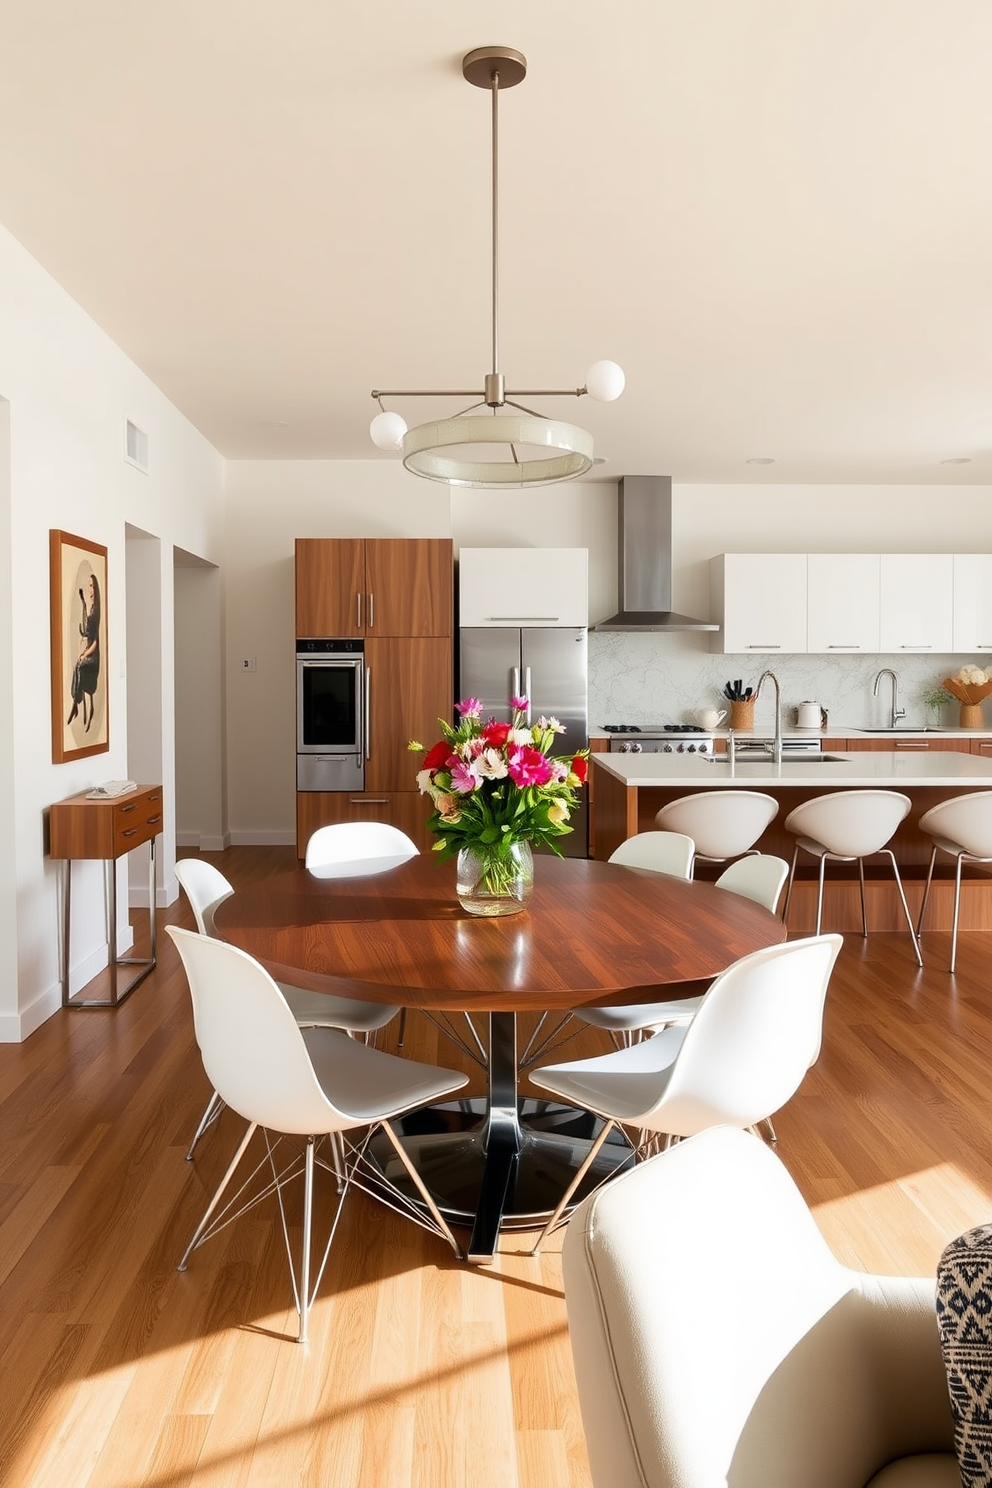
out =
column 131, row 832
column 368, row 713
column 358, row 603
column 152, row 820
column 368, row 800
column 756, row 646
column 371, row 611
column 841, row 646
column 527, row 619
column 528, row 693
column 916, row 648
column 126, row 809
column 911, row 744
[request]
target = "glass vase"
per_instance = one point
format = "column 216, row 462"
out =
column 495, row 882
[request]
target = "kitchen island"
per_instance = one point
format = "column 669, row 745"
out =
column 630, row 788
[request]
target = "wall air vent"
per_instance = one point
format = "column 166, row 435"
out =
column 135, row 446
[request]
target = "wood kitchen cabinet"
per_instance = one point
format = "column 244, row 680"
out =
column 905, row 746
column 409, row 688
column 408, row 810
column 374, row 586
column 759, row 601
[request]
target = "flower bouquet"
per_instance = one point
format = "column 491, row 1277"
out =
column 971, row 686
column 497, row 790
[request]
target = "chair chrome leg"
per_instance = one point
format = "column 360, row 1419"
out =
column 905, row 907
column 401, row 1035
column 304, row 1298
column 788, row 892
column 864, row 907
column 218, row 1195
column 577, row 1178
column 435, row 1212
column 926, row 890
column 957, row 906
column 214, row 1107
column 772, row 1133
column 819, row 896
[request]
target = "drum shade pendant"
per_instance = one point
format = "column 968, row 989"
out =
column 496, row 449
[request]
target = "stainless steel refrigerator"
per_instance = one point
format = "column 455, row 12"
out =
column 549, row 666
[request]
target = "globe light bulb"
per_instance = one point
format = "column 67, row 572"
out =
column 387, row 430
column 605, row 381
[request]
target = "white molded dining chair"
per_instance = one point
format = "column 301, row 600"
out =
column 717, row 1340
column 744, row 1054
column 670, row 853
column 723, row 823
column 760, row 878
column 356, row 849
column 206, row 888
column 961, row 827
column 312, row 1083
column 844, row 826
column 662, row 852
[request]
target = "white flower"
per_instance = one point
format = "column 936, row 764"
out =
column 424, row 783
column 521, row 736
column 973, row 675
column 550, row 725
column 491, row 765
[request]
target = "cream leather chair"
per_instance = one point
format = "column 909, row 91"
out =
column 724, row 824
column 717, row 1341
column 313, row 1084
column 961, row 827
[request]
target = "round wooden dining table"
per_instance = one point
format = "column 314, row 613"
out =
column 593, row 934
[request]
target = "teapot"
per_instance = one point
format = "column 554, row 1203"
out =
column 811, row 716
column 709, row 718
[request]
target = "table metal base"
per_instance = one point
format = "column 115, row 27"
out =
column 511, row 1181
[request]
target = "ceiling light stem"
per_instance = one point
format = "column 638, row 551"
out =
column 495, row 222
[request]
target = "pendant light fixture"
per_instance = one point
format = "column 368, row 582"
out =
column 496, row 449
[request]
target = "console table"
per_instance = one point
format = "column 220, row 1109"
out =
column 107, row 829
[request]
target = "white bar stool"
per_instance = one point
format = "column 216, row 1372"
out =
column 961, row 827
column 848, row 826
column 723, row 824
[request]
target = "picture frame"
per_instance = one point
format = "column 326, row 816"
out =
column 80, row 694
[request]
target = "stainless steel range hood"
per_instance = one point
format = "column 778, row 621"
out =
column 644, row 553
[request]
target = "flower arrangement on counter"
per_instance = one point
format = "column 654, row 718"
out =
column 497, row 784
column 971, row 686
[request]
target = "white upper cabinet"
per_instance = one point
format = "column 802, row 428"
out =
column 523, row 586
column 972, row 602
column 842, row 602
column 916, row 602
column 759, row 600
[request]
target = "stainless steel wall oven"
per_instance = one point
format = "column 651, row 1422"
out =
column 331, row 709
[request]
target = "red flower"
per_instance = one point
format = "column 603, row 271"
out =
column 438, row 755
column 580, row 768
column 528, row 766
column 496, row 735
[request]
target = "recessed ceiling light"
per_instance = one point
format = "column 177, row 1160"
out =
column 760, row 460
column 957, row 460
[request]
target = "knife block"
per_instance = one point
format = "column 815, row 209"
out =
column 742, row 714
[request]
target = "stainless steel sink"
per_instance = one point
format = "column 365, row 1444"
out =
column 787, row 759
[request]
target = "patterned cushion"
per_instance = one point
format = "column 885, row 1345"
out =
column 964, row 1313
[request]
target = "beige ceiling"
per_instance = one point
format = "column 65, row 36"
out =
column 775, row 214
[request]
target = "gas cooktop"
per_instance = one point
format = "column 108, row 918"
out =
column 652, row 728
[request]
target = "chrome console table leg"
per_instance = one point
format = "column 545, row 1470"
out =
column 147, row 963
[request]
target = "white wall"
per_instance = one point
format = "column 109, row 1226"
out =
column 69, row 391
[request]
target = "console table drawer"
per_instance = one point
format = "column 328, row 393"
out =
column 84, row 828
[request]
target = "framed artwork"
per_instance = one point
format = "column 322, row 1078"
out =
column 80, row 711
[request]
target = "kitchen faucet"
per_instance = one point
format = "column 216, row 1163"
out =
column 777, row 748
column 896, row 712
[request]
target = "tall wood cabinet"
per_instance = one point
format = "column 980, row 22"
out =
column 397, row 594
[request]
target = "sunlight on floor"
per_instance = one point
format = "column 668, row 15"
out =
column 901, row 1227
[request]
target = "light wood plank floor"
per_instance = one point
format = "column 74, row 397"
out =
column 117, row 1371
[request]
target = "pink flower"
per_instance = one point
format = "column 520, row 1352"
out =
column 528, row 766
column 470, row 708
column 464, row 778
column 520, row 703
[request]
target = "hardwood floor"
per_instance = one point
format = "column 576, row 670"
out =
column 117, row 1371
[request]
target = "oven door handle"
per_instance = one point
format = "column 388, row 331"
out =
column 368, row 712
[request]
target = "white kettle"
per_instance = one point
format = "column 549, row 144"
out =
column 811, row 716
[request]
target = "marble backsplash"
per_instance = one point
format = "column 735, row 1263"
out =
column 650, row 678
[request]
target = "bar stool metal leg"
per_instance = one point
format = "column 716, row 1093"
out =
column 905, row 907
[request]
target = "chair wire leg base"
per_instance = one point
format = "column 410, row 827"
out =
column 214, row 1107
column 577, row 1178
column 887, row 851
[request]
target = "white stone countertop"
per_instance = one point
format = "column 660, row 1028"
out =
column 868, row 767
column 838, row 731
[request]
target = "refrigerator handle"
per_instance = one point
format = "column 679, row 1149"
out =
column 515, row 681
column 527, row 692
